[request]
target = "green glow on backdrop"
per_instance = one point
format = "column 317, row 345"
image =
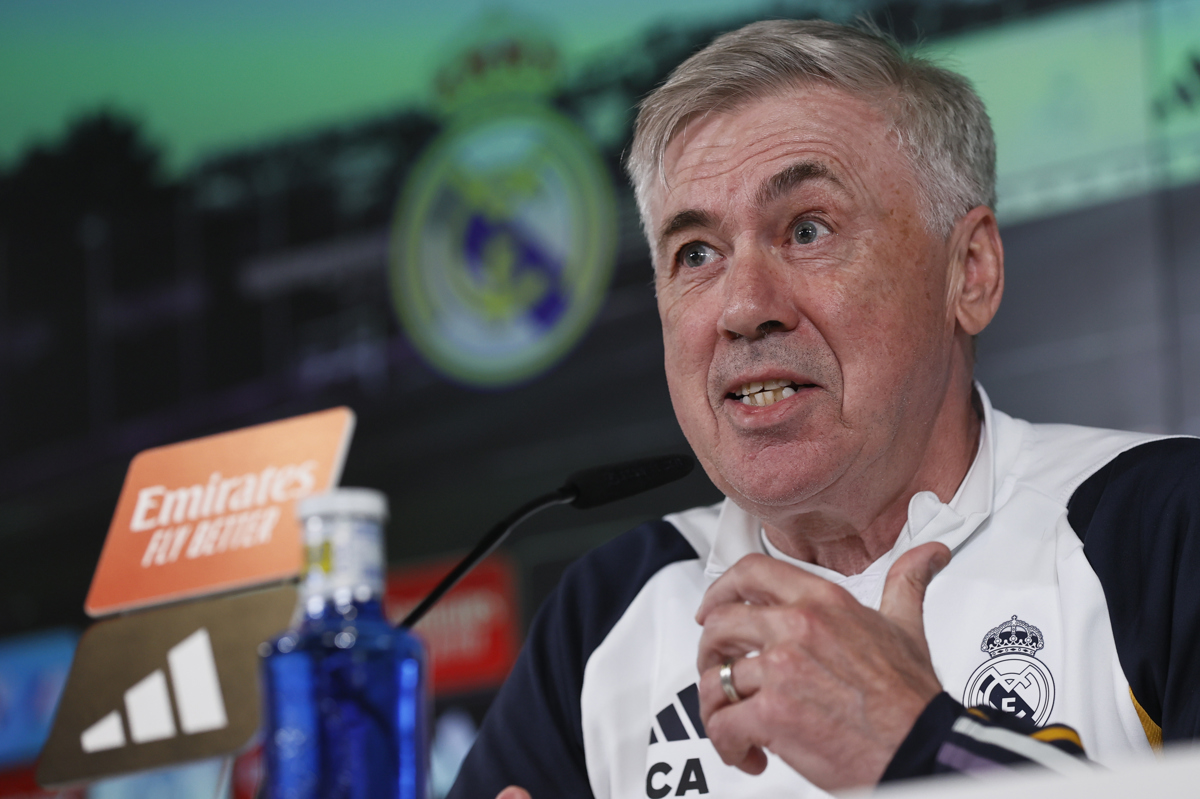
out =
column 1067, row 94
column 221, row 74
column 1089, row 104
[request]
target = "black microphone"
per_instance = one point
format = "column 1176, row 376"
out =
column 605, row 484
column 586, row 489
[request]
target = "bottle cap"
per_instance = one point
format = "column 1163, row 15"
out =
column 345, row 502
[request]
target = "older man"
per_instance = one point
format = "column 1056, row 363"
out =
column 818, row 207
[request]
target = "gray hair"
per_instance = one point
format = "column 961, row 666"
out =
column 939, row 121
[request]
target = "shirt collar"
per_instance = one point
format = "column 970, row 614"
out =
column 929, row 519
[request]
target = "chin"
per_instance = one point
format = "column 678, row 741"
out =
column 770, row 482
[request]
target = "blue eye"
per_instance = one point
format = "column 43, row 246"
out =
column 696, row 254
column 807, row 231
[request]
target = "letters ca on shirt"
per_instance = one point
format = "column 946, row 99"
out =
column 216, row 513
column 679, row 749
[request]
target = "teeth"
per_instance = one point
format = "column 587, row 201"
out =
column 765, row 385
column 767, row 392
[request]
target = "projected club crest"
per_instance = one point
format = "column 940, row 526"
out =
column 504, row 238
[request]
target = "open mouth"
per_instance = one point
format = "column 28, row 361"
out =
column 766, row 392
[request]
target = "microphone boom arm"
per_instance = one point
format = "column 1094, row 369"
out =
column 586, row 489
column 495, row 536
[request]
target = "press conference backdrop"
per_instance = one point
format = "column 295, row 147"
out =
column 218, row 214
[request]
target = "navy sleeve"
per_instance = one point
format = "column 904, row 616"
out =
column 948, row 738
column 1138, row 518
column 532, row 735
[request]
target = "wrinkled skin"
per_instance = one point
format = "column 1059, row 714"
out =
column 837, row 685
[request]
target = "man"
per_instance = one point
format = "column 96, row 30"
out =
column 818, row 207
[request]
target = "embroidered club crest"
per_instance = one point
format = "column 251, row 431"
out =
column 1013, row 679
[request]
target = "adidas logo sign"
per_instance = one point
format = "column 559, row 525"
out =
column 198, row 700
column 163, row 685
column 671, row 724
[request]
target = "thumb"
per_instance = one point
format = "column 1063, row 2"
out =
column 513, row 792
column 904, row 589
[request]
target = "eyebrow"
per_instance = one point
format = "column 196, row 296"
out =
column 772, row 189
column 684, row 220
column 793, row 176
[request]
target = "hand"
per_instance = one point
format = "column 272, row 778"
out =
column 835, row 687
column 513, row 792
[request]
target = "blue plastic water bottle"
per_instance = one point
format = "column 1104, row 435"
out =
column 345, row 692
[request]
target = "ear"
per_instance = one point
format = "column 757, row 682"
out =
column 977, row 264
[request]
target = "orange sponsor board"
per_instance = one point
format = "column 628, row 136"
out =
column 216, row 513
column 472, row 632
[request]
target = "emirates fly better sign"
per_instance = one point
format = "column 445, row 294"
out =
column 216, row 513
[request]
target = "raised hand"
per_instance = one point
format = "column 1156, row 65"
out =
column 835, row 686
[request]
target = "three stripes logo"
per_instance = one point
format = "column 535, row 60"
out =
column 660, row 780
column 670, row 722
column 161, row 686
column 198, row 700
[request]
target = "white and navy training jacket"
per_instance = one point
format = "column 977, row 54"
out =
column 1072, row 598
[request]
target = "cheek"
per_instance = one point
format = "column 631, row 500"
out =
column 885, row 324
column 688, row 344
column 687, row 338
column 686, row 363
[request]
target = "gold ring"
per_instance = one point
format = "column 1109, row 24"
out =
column 726, row 674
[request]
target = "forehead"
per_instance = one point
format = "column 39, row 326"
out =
column 730, row 154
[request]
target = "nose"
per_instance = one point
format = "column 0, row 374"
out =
column 758, row 298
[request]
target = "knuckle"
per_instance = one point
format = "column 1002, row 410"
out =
column 777, row 714
column 786, row 670
column 756, row 560
column 707, row 648
column 710, row 693
column 720, row 616
column 717, row 727
column 797, row 622
column 728, row 737
column 828, row 593
column 755, row 567
column 783, row 660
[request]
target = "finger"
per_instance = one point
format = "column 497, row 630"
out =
column 761, row 580
column 746, row 676
column 904, row 590
column 513, row 792
column 735, row 733
column 731, row 632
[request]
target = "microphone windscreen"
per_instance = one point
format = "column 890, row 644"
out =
column 604, row 484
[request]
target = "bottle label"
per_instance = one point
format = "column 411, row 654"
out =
column 343, row 557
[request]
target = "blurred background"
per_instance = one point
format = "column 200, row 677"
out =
column 219, row 214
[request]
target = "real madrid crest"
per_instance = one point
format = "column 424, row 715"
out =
column 505, row 235
column 1013, row 679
